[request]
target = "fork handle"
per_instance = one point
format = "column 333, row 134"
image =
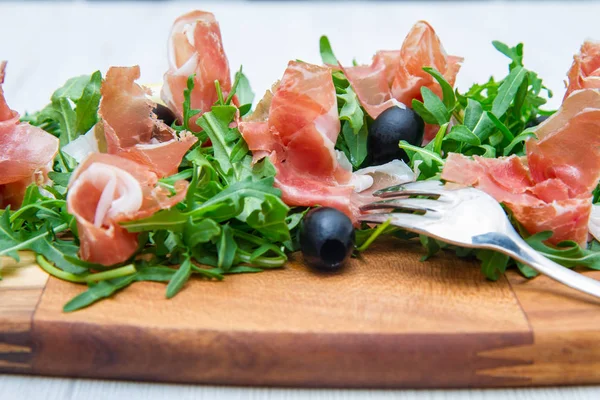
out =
column 518, row 249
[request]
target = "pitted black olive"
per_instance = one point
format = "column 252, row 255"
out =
column 164, row 114
column 388, row 129
column 536, row 121
column 326, row 238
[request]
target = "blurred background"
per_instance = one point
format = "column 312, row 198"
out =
column 47, row 42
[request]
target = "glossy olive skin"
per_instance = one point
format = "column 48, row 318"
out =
column 326, row 239
column 164, row 114
column 388, row 129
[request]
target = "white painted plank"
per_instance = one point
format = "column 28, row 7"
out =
column 20, row 387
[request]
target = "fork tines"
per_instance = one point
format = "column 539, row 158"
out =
column 422, row 188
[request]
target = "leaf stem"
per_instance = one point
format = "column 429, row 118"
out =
column 265, row 262
column 421, row 150
column 376, row 233
column 219, row 92
column 97, row 277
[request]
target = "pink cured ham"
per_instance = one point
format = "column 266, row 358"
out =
column 304, row 118
column 399, row 75
column 298, row 133
column 553, row 192
column 130, row 128
column 26, row 153
column 585, row 71
column 107, row 189
column 195, row 47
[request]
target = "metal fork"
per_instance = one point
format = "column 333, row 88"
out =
column 465, row 217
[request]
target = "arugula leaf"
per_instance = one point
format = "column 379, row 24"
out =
column 241, row 88
column 188, row 111
column 179, row 278
column 351, row 110
column 73, row 107
column 155, row 273
column 9, row 240
column 60, row 253
column 64, row 113
column 461, row 133
column 493, row 264
column 356, row 143
column 226, row 247
column 86, row 111
column 202, row 231
column 423, row 112
column 352, row 139
column 434, row 106
column 269, row 218
column 59, row 178
column 326, row 52
column 98, row 291
column 72, row 88
column 507, row 91
column 568, row 254
column 431, row 245
column 448, row 97
column 515, row 146
column 428, row 155
column 227, row 143
column 514, row 53
column 477, row 120
column 504, row 131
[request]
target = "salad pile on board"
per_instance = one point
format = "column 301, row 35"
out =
column 112, row 183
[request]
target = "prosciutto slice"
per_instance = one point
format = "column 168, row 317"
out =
column 131, row 129
column 585, row 71
column 107, row 189
column 26, row 153
column 553, row 191
column 195, row 47
column 299, row 132
column 399, row 75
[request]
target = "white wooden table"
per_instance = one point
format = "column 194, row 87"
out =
column 47, row 43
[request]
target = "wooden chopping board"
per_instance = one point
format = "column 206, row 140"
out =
column 388, row 320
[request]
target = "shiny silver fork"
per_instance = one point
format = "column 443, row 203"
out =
column 465, row 217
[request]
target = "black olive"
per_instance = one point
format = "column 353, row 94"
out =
column 536, row 121
column 164, row 114
column 388, row 129
column 326, row 238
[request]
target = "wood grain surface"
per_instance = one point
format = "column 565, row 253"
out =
column 387, row 320
column 20, row 292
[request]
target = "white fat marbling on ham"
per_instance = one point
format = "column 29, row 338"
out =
column 121, row 192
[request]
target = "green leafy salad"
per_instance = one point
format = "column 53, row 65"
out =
column 232, row 219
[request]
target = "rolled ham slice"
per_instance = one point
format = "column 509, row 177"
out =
column 107, row 189
column 195, row 47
